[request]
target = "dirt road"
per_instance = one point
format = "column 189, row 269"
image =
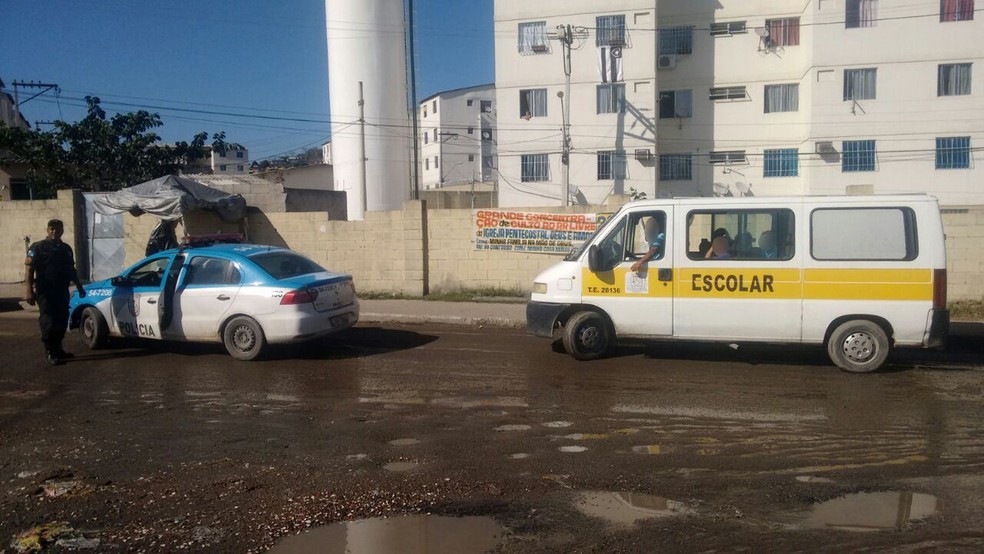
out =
column 667, row 447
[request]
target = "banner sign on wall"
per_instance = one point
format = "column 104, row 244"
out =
column 532, row 232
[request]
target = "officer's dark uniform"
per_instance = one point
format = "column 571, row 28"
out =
column 54, row 267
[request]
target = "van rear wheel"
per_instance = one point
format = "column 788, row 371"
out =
column 587, row 336
column 858, row 346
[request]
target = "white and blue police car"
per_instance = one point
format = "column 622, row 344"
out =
column 242, row 295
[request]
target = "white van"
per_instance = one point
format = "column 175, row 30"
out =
column 857, row 274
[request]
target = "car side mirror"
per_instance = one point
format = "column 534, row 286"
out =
column 118, row 281
column 596, row 259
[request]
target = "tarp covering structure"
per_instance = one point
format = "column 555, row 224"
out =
column 169, row 198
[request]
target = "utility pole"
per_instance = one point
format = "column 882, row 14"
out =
column 362, row 126
column 412, row 63
column 565, row 35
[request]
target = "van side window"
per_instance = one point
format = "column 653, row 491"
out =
column 875, row 234
column 647, row 232
column 748, row 234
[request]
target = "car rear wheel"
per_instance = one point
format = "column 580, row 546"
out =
column 93, row 329
column 244, row 339
column 858, row 346
column 586, row 336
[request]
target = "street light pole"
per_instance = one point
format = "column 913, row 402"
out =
column 565, row 35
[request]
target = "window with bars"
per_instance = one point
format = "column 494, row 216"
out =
column 783, row 32
column 533, row 103
column 534, row 168
column 533, row 38
column 953, row 79
column 861, row 13
column 860, row 84
column 728, row 157
column 956, row 10
column 675, row 103
column 857, row 155
column 676, row 167
column 728, row 93
column 781, row 98
column 426, row 137
column 782, row 162
column 676, row 40
column 728, row 28
column 611, row 98
column 953, row 153
column 611, row 165
column 610, row 30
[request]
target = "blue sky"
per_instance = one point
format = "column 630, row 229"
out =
column 202, row 64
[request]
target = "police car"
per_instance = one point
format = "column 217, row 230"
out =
column 244, row 296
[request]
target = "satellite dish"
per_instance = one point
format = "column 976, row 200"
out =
column 743, row 188
column 762, row 32
column 721, row 189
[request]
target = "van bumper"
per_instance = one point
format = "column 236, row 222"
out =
column 541, row 317
column 939, row 328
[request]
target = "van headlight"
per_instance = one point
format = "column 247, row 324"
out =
column 539, row 288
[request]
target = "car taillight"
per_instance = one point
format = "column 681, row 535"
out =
column 299, row 296
column 939, row 289
column 352, row 284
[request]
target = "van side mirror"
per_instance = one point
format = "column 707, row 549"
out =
column 596, row 260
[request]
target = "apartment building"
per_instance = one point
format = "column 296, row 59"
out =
column 457, row 137
column 779, row 97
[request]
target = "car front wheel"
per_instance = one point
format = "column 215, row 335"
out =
column 93, row 329
column 243, row 338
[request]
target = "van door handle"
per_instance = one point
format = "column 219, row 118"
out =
column 665, row 274
column 222, row 297
column 151, row 301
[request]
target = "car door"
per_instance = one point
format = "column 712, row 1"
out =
column 639, row 303
column 208, row 288
column 136, row 298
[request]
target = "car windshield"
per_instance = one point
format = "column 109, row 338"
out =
column 284, row 265
column 576, row 252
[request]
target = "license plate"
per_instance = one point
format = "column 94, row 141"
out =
column 340, row 320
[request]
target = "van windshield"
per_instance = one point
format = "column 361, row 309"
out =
column 578, row 250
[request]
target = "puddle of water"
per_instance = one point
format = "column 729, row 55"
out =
column 515, row 427
column 356, row 456
column 651, row 449
column 397, row 467
column 557, row 424
column 572, row 448
column 626, row 508
column 404, row 442
column 586, row 436
column 519, row 456
column 629, row 431
column 416, row 534
column 872, row 511
column 813, row 479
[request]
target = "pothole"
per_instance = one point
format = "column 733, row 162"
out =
column 421, row 533
column 626, row 508
column 872, row 511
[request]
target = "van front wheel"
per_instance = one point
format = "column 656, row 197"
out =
column 858, row 346
column 586, row 336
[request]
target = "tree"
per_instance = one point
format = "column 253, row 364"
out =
column 99, row 154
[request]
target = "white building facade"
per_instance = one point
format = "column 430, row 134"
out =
column 457, row 137
column 772, row 97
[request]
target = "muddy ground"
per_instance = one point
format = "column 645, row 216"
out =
column 661, row 448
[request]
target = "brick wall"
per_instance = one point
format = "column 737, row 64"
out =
column 964, row 228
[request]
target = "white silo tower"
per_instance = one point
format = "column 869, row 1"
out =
column 366, row 44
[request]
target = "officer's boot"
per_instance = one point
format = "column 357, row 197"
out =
column 61, row 354
column 52, row 357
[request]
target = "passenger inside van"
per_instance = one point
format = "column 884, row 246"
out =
column 767, row 244
column 720, row 248
column 656, row 239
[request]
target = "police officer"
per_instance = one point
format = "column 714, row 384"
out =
column 50, row 268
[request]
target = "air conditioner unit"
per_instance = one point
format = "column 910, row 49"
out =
column 539, row 47
column 825, row 147
column 666, row 62
column 643, row 154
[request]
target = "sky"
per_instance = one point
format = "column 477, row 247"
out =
column 256, row 69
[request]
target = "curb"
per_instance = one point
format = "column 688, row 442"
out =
column 500, row 322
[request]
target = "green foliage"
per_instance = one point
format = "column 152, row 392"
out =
column 100, row 154
column 636, row 194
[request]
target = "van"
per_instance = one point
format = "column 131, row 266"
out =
column 860, row 275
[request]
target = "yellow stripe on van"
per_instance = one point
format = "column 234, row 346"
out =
column 714, row 282
column 868, row 284
column 615, row 283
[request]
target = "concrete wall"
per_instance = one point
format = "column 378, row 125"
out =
column 23, row 218
column 412, row 251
